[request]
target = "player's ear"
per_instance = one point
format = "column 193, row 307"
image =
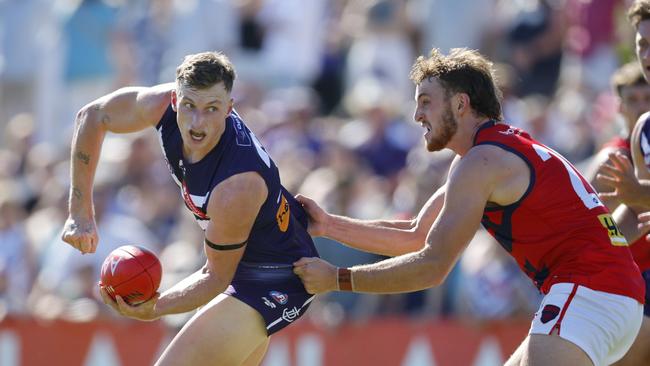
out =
column 230, row 105
column 462, row 101
column 174, row 99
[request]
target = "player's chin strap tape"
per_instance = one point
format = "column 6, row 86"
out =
column 226, row 246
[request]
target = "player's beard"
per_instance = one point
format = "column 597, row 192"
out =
column 446, row 131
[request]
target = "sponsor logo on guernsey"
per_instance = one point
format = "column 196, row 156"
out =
column 268, row 302
column 615, row 236
column 241, row 137
column 549, row 313
column 282, row 216
column 279, row 297
column 511, row 131
column 290, row 314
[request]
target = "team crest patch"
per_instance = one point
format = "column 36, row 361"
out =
column 549, row 313
column 279, row 297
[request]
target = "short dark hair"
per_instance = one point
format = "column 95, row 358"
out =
column 205, row 69
column 629, row 74
column 462, row 71
column 638, row 12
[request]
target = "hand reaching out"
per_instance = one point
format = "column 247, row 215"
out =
column 317, row 275
column 318, row 218
column 618, row 173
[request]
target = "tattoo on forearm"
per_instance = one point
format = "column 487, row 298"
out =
column 85, row 158
column 76, row 192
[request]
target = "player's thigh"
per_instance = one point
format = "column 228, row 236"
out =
column 224, row 332
column 639, row 353
column 518, row 355
column 601, row 324
column 543, row 350
column 256, row 357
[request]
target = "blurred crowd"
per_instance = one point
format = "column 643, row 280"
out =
column 324, row 85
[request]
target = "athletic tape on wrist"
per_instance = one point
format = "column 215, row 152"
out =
column 344, row 279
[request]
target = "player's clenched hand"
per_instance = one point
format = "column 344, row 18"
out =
column 317, row 275
column 81, row 234
column 318, row 218
column 618, row 173
column 145, row 311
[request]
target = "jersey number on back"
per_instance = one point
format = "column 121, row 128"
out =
column 590, row 200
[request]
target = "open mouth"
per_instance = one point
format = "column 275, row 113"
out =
column 197, row 136
column 426, row 125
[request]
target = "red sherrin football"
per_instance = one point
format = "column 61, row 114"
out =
column 132, row 272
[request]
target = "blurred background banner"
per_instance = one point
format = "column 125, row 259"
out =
column 387, row 342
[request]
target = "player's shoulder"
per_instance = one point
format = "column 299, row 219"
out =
column 491, row 162
column 643, row 119
column 239, row 188
column 488, row 154
column 154, row 101
column 641, row 132
column 157, row 96
column 483, row 158
column 642, row 125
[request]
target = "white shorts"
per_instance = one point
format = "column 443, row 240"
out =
column 602, row 324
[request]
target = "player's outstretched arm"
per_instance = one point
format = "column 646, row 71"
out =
column 125, row 110
column 385, row 237
column 233, row 207
column 469, row 188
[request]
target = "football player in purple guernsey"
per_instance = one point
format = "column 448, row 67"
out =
column 254, row 229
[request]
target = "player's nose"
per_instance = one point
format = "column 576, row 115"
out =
column 198, row 121
column 417, row 115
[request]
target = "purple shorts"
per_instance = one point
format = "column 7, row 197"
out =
column 273, row 290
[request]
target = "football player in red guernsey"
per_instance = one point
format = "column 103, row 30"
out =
column 530, row 198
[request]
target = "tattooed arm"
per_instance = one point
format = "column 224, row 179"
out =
column 123, row 111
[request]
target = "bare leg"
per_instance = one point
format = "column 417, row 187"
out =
column 256, row 357
column 224, row 332
column 516, row 358
column 540, row 350
column 545, row 350
column 639, row 353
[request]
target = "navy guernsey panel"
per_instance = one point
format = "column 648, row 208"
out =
column 279, row 234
